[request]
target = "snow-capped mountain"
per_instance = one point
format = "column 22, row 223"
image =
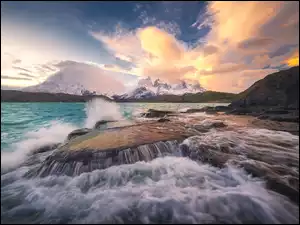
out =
column 147, row 89
column 77, row 78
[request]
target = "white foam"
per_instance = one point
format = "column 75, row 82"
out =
column 55, row 133
column 165, row 190
column 99, row 109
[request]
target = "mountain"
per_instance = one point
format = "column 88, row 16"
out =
column 148, row 90
column 75, row 78
column 280, row 89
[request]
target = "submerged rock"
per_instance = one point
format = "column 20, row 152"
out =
column 161, row 120
column 152, row 113
column 78, row 132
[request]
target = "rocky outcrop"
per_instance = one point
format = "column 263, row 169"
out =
column 152, row 113
column 279, row 89
column 46, row 148
column 78, row 132
column 100, row 123
column 277, row 164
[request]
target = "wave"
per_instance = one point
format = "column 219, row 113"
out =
column 56, row 132
column 10, row 123
column 98, row 109
column 164, row 190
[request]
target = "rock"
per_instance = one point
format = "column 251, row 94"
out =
column 101, row 123
column 255, row 160
column 152, row 113
column 46, row 148
column 274, row 180
column 128, row 136
column 280, row 117
column 74, row 163
column 240, row 111
column 201, row 128
column 161, row 120
column 284, row 118
column 263, row 117
column 78, row 132
column 276, row 111
column 207, row 124
column 211, row 112
column 280, row 89
column 221, row 108
column 194, row 110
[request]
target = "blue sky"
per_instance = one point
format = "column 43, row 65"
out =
column 204, row 41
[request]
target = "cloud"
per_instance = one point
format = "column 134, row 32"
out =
column 72, row 74
column 255, row 43
column 244, row 38
column 14, row 78
column 22, row 69
column 27, row 75
column 17, row 61
column 293, row 60
column 123, row 57
column 237, row 81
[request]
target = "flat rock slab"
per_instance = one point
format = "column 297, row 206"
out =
column 130, row 136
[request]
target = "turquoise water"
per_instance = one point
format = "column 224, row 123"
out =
column 17, row 119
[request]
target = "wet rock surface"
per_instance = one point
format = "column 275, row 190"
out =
column 161, row 120
column 46, row 148
column 78, row 132
column 100, row 123
column 276, row 161
column 152, row 113
column 128, row 136
column 74, row 163
column 219, row 141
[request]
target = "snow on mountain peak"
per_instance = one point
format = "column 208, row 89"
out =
column 147, row 89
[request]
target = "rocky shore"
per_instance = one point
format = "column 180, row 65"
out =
column 219, row 140
column 256, row 133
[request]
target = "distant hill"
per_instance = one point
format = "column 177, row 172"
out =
column 208, row 96
column 280, row 89
column 21, row 96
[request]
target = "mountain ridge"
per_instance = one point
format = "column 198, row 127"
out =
column 146, row 89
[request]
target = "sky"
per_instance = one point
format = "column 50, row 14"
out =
column 226, row 46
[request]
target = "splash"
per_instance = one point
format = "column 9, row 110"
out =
column 55, row 133
column 164, row 190
column 74, row 163
column 99, row 109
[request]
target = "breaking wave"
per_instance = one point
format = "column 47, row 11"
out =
column 99, row 109
column 54, row 133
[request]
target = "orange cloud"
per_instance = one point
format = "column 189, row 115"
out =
column 294, row 60
column 242, row 38
column 160, row 44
